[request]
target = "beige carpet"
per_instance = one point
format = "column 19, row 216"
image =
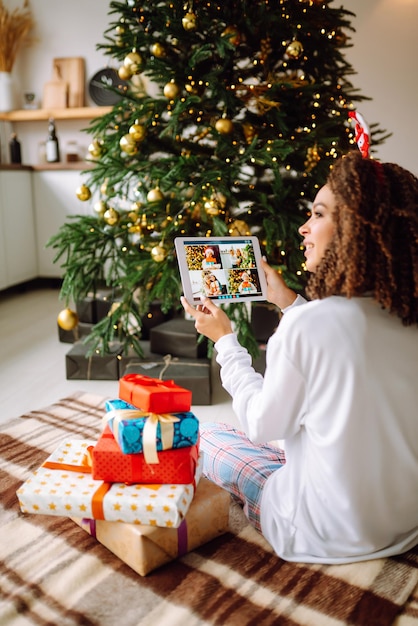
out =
column 53, row 573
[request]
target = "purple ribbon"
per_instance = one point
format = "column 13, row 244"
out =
column 91, row 524
column 182, row 539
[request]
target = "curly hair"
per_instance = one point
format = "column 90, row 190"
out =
column 375, row 246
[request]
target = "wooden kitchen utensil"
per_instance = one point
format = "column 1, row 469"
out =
column 72, row 70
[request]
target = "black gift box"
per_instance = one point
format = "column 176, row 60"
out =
column 96, row 367
column 154, row 317
column 94, row 308
column 104, row 298
column 71, row 336
column 86, row 310
column 177, row 337
column 192, row 374
column 264, row 320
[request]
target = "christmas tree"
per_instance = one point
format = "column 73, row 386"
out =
column 248, row 110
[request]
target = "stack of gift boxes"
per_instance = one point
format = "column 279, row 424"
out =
column 161, row 335
column 138, row 489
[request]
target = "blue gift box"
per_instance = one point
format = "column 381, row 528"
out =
column 129, row 432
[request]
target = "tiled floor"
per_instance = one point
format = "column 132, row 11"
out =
column 32, row 360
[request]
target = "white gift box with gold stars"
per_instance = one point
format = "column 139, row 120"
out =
column 63, row 486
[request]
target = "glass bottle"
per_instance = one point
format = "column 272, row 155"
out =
column 15, row 151
column 52, row 148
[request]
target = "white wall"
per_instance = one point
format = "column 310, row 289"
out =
column 384, row 55
column 64, row 28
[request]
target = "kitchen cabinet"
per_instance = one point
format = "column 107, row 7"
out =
column 18, row 258
column 54, row 196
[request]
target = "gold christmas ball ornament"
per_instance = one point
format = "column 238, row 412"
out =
column 249, row 132
column 189, row 21
column 67, row 319
column 239, row 228
column 95, row 149
column 111, row 216
column 171, row 90
column 133, row 62
column 138, row 131
column 155, row 195
column 136, row 206
column 83, row 193
column 133, row 216
column 158, row 253
column 224, row 126
column 211, row 207
column 294, row 50
column 233, row 34
column 128, row 144
column 124, row 73
column 100, row 207
column 158, row 50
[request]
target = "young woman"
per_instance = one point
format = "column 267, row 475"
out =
column 340, row 382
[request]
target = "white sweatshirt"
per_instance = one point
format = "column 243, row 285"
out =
column 341, row 389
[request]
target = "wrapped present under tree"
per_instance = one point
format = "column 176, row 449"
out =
column 64, row 486
column 134, row 429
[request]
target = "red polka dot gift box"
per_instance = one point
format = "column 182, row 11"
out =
column 175, row 466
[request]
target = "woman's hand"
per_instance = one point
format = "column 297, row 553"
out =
column 278, row 292
column 210, row 320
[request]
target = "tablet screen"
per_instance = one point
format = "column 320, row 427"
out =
column 222, row 268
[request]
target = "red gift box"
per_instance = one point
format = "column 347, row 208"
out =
column 153, row 394
column 110, row 464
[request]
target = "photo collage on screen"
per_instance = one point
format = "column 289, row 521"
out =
column 223, row 270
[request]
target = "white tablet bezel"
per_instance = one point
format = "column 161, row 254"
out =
column 192, row 281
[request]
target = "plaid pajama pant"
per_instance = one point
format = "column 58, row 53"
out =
column 236, row 464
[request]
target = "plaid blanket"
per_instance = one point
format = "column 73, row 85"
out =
column 52, row 572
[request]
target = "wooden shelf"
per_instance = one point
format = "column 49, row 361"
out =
column 63, row 165
column 34, row 115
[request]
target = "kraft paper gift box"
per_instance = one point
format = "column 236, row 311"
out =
column 79, row 366
column 144, row 548
column 177, row 337
column 153, row 394
column 64, row 486
column 110, row 464
column 131, row 428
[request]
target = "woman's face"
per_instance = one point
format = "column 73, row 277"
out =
column 318, row 231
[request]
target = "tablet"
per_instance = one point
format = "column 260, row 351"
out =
column 225, row 269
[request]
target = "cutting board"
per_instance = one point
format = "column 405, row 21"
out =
column 55, row 94
column 72, row 71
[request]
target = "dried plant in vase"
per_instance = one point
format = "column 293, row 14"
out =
column 15, row 27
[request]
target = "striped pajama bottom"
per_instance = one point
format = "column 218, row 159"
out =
column 236, row 464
